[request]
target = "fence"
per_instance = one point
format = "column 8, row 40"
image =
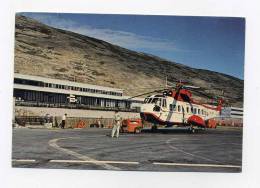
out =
column 31, row 120
column 74, row 106
column 231, row 122
column 71, row 122
column 79, row 122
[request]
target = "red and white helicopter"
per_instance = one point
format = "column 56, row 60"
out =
column 175, row 106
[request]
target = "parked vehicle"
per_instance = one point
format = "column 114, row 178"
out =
column 211, row 123
column 131, row 126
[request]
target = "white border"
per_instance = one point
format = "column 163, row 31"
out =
column 81, row 178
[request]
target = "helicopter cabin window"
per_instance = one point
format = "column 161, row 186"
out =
column 195, row 110
column 172, row 107
column 179, row 108
column 198, row 111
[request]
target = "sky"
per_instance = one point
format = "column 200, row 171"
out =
column 212, row 43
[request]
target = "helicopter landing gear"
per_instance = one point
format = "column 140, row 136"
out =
column 192, row 130
column 154, row 128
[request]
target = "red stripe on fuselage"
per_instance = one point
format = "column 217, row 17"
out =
column 159, row 120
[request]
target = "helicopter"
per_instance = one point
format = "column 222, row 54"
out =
column 175, row 106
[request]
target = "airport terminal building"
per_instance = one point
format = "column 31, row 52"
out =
column 35, row 91
column 232, row 112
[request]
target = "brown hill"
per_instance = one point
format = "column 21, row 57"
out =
column 49, row 52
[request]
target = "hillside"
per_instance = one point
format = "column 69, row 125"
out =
column 49, row 52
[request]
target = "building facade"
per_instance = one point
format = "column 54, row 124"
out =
column 45, row 92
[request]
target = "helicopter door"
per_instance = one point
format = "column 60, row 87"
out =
column 180, row 114
column 165, row 113
column 183, row 114
column 157, row 106
column 164, row 104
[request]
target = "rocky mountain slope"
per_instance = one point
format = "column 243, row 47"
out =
column 49, row 52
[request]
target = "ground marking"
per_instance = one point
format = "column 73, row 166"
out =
column 131, row 162
column 235, row 144
column 198, row 165
column 95, row 162
column 24, row 160
column 53, row 143
column 168, row 142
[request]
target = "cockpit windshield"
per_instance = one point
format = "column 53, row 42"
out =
column 152, row 100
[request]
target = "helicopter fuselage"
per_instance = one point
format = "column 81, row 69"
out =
column 166, row 110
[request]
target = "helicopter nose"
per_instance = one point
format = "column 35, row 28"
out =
column 143, row 109
column 147, row 107
column 143, row 116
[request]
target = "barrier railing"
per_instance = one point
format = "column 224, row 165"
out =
column 71, row 122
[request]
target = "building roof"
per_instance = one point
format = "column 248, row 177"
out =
column 66, row 82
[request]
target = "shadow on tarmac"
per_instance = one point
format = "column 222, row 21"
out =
column 172, row 131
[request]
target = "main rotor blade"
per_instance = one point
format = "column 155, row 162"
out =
column 159, row 87
column 146, row 93
column 203, row 94
column 177, row 80
column 190, row 87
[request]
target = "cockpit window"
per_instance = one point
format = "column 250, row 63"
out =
column 154, row 100
column 164, row 103
column 150, row 99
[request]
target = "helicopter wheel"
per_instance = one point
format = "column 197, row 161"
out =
column 192, row 130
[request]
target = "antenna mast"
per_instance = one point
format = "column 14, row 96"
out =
column 166, row 84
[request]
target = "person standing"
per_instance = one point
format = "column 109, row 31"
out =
column 98, row 123
column 116, row 126
column 55, row 122
column 63, row 121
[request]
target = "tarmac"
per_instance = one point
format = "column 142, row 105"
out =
column 167, row 150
